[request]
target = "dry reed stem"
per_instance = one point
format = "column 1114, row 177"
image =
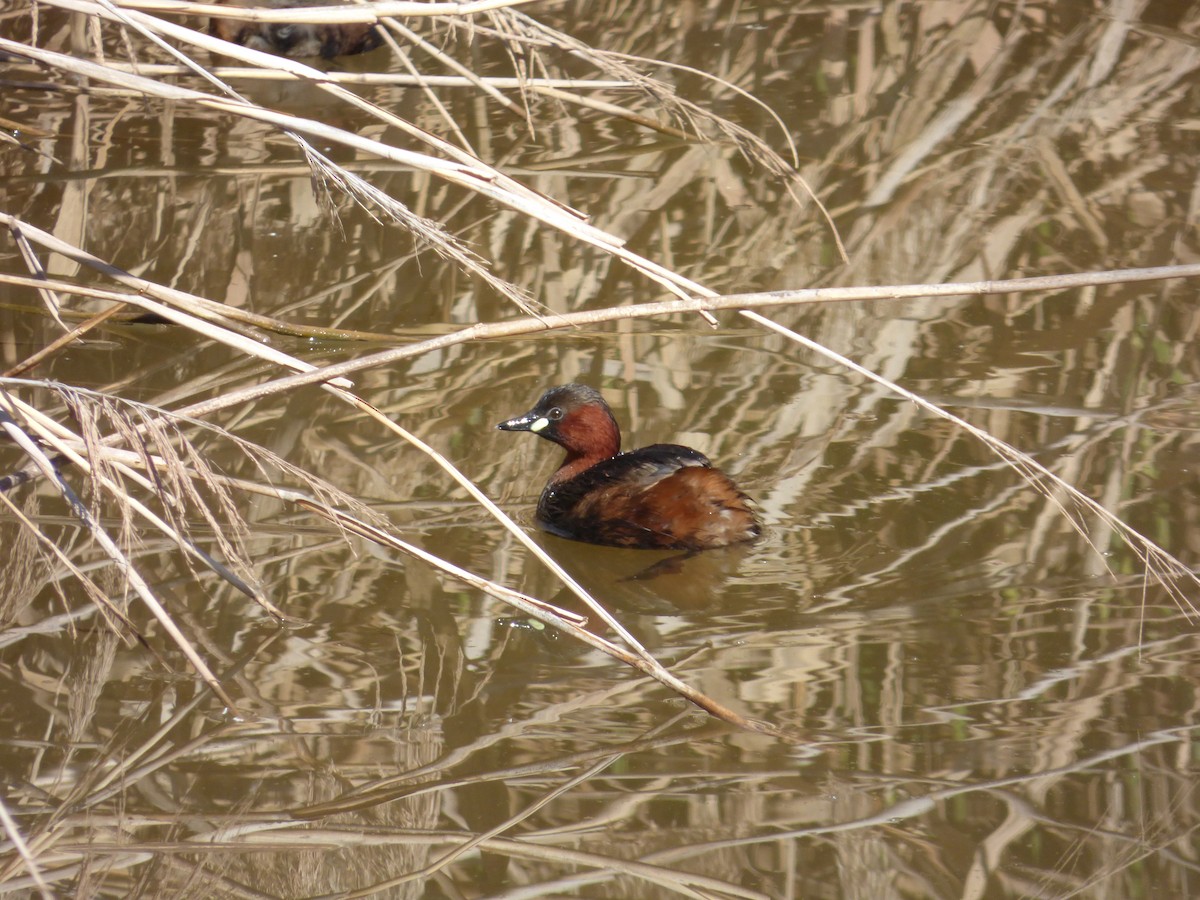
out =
column 234, row 73
column 461, row 169
column 483, row 179
column 115, row 618
column 93, row 458
column 71, row 337
column 132, row 577
column 323, row 169
column 151, row 419
column 319, row 15
column 18, row 842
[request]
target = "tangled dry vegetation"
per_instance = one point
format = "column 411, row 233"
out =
column 133, row 473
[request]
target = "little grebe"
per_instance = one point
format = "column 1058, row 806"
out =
column 664, row 496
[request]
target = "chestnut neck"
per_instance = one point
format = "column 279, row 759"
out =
column 590, row 435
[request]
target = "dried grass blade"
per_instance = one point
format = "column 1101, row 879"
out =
column 94, row 457
column 230, row 73
column 455, row 66
column 18, row 842
column 112, row 616
column 320, row 15
column 50, row 298
column 122, row 562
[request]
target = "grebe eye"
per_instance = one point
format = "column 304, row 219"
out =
column 554, row 414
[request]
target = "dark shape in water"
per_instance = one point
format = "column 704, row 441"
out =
column 293, row 39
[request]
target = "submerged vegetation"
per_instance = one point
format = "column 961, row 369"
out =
column 268, row 288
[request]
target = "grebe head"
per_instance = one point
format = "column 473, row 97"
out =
column 575, row 417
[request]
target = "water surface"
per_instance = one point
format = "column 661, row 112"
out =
column 976, row 698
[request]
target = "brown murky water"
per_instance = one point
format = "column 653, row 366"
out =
column 979, row 700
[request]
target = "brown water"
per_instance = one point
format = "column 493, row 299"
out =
column 978, row 700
